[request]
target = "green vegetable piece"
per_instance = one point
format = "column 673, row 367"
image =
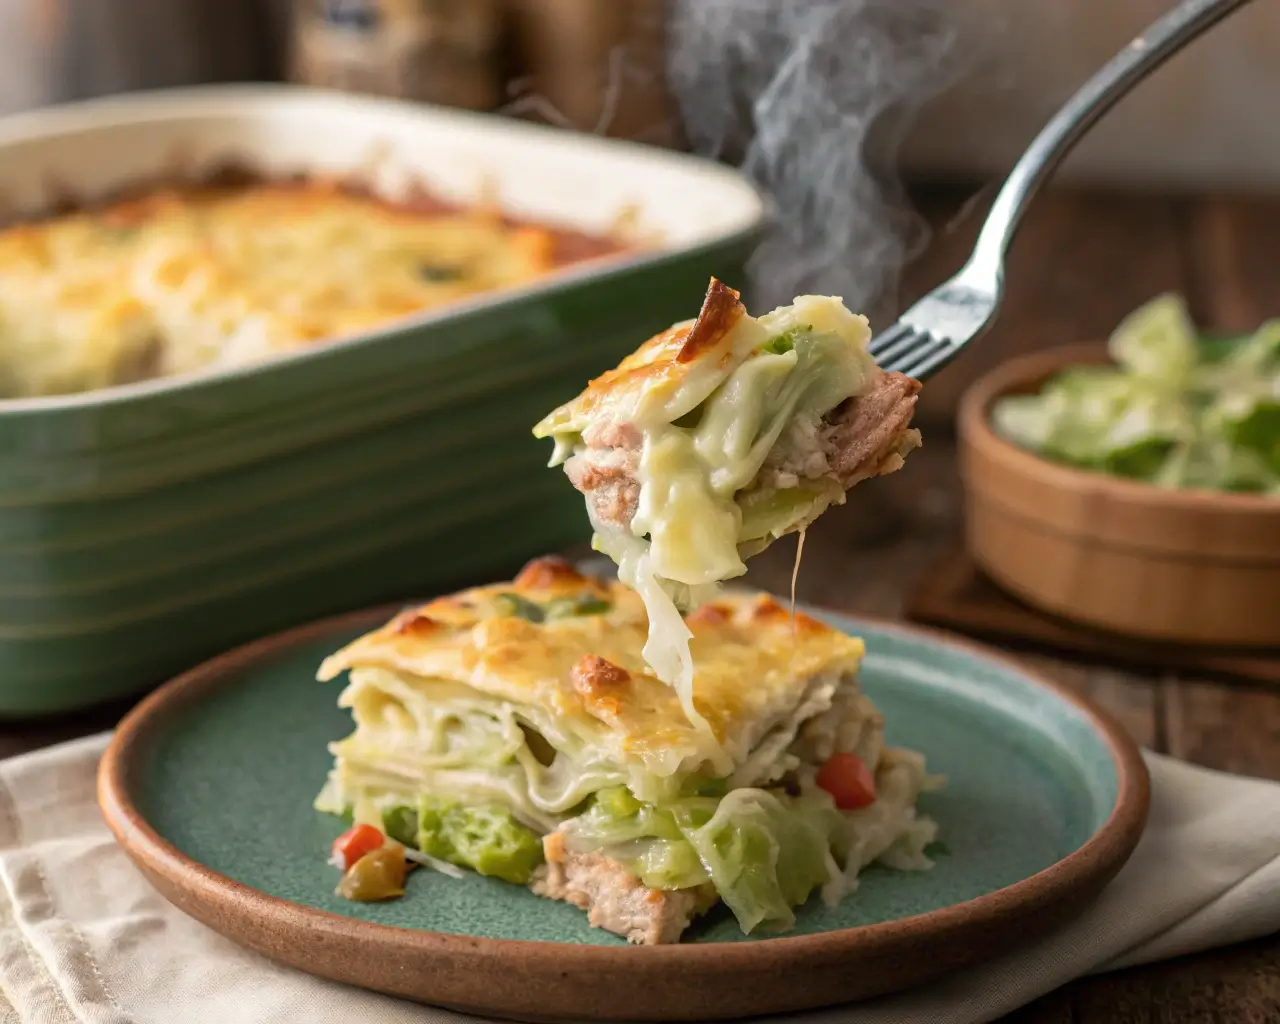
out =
column 1096, row 388
column 1141, row 460
column 764, row 854
column 583, row 604
column 1125, row 428
column 1070, row 418
column 1026, row 420
column 784, row 342
column 1201, row 465
column 1260, row 350
column 401, row 824
column 694, row 813
column 1216, row 465
column 1248, row 471
column 378, row 875
column 1173, row 472
column 487, row 839
column 766, row 514
column 709, row 787
column 438, row 273
column 668, row 864
column 1253, row 423
column 614, row 816
column 617, row 802
column 1157, row 341
column 517, row 607
column 1213, row 351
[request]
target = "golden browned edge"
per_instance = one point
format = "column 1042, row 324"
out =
column 1022, row 375
column 232, row 174
column 554, row 981
column 721, row 308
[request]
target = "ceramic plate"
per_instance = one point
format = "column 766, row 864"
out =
column 209, row 782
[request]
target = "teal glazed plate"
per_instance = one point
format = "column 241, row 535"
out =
column 208, row 785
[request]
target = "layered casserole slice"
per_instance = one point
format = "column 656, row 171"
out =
column 514, row 730
column 720, row 435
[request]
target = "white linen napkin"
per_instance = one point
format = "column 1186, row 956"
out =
column 85, row 940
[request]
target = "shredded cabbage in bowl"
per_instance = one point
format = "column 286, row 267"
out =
column 1176, row 410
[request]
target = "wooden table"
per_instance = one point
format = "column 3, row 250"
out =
column 1081, row 263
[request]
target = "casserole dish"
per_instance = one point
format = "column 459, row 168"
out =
column 146, row 526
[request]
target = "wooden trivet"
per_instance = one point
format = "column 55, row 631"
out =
column 957, row 596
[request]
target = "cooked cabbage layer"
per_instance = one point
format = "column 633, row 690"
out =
column 714, row 439
column 481, row 782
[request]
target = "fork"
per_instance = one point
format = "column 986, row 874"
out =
column 934, row 330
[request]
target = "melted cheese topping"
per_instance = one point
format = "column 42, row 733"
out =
column 581, row 680
column 710, row 399
column 187, row 279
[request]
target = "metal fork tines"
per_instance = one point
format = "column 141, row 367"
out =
column 930, row 333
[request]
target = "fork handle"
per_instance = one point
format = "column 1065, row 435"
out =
column 1148, row 51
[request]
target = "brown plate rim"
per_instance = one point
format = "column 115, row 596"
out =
column 1085, row 869
column 974, row 422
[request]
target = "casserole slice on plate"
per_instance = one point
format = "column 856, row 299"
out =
column 516, row 731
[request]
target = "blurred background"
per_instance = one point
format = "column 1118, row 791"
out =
column 877, row 132
column 141, row 536
column 876, row 126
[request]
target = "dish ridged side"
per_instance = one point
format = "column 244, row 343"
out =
column 407, row 469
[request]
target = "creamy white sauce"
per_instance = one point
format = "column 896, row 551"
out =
column 684, row 539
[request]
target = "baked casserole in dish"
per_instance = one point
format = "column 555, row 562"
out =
column 229, row 271
column 231, row 408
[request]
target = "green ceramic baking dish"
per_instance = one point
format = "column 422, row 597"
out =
column 146, row 527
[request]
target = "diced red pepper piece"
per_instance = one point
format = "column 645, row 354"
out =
column 354, row 843
column 849, row 781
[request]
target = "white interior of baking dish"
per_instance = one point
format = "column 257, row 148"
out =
column 88, row 150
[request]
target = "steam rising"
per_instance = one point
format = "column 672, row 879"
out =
column 810, row 98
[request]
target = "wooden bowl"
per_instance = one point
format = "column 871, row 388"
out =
column 1191, row 566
